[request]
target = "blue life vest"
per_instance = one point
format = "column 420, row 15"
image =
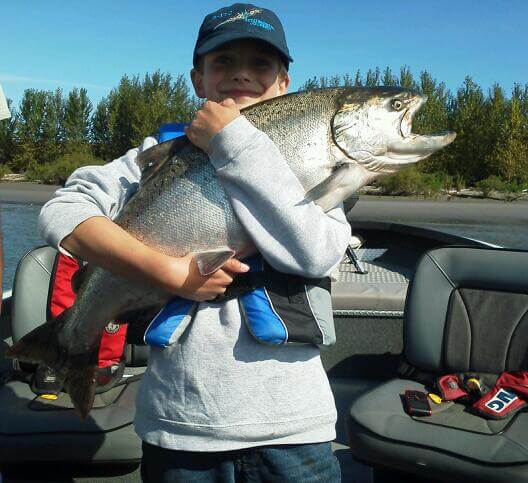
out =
column 277, row 308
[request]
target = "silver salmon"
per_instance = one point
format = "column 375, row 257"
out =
column 334, row 140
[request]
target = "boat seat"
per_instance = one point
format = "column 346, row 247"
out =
column 34, row 429
column 466, row 311
column 30, row 291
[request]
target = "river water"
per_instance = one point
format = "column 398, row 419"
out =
column 19, row 226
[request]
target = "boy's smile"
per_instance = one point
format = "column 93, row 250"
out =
column 248, row 71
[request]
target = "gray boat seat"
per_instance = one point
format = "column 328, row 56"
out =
column 36, row 429
column 30, row 291
column 466, row 311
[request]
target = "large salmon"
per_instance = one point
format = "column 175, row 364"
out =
column 334, row 140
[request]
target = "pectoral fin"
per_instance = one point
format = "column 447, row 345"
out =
column 211, row 260
column 344, row 181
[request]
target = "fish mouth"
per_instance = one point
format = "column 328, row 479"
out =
column 414, row 147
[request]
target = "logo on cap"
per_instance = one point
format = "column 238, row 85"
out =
column 245, row 16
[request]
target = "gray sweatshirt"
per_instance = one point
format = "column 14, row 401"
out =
column 217, row 388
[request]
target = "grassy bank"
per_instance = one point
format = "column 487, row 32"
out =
column 412, row 182
column 407, row 183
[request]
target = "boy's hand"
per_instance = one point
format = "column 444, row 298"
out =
column 210, row 119
column 188, row 282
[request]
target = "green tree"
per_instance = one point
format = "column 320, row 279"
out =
column 357, row 79
column 323, row 81
column 39, row 133
column 388, row 79
column 100, row 132
column 76, row 122
column 51, row 139
column 433, row 117
column 511, row 152
column 373, row 77
column 311, row 83
column 29, row 132
column 406, row 78
column 136, row 109
column 467, row 114
column 492, row 130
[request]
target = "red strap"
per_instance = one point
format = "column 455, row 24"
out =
column 510, row 394
column 450, row 388
column 62, row 297
column 112, row 344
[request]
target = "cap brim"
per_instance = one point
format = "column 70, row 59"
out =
column 224, row 38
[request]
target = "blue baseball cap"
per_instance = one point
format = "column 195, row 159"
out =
column 241, row 21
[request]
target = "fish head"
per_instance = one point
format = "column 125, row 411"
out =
column 374, row 128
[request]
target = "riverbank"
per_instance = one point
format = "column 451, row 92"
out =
column 450, row 210
column 26, row 192
column 369, row 207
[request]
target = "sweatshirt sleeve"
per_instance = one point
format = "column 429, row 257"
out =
column 91, row 191
column 294, row 237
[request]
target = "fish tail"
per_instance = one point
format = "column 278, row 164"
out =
column 41, row 345
column 81, row 385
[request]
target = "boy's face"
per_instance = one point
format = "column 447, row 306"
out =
column 247, row 71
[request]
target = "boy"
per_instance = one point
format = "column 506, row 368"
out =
column 217, row 405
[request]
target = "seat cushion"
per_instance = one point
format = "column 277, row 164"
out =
column 381, row 432
column 36, row 429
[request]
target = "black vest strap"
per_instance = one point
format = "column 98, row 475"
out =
column 289, row 285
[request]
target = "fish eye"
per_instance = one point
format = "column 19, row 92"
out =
column 397, row 104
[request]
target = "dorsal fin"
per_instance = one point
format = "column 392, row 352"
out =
column 152, row 159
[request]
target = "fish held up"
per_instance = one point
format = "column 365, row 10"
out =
column 334, row 140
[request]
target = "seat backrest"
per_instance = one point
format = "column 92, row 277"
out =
column 467, row 310
column 30, row 290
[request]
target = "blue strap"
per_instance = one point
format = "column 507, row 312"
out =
column 262, row 320
column 170, row 323
column 171, row 131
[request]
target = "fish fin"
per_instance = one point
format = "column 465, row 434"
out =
column 211, row 260
column 334, row 189
column 151, row 160
column 41, row 345
column 80, row 385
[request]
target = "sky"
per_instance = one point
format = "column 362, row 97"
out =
column 92, row 44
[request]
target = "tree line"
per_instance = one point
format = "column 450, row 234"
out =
column 51, row 133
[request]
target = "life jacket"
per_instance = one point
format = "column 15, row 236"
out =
column 61, row 296
column 277, row 309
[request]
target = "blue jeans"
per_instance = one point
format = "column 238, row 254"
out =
column 301, row 463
